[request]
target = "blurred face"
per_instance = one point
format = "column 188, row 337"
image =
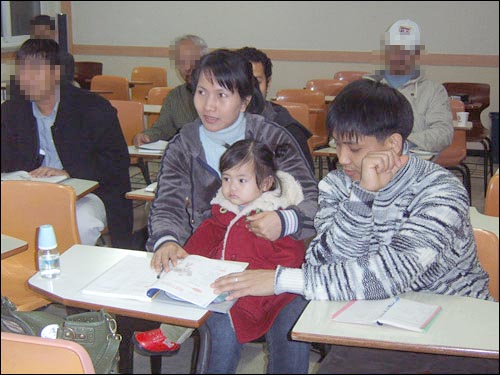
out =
column 351, row 153
column 258, row 72
column 217, row 107
column 42, row 32
column 37, row 79
column 400, row 61
column 239, row 184
column 186, row 56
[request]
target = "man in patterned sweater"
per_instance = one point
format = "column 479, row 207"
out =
column 388, row 222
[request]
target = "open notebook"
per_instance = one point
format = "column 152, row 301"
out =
column 23, row 175
column 133, row 278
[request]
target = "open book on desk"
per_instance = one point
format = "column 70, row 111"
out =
column 23, row 175
column 396, row 312
column 133, row 278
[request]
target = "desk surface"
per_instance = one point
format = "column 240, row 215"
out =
column 82, row 187
column 81, row 264
column 143, row 153
column 465, row 327
column 152, row 109
column 140, row 195
column 486, row 222
column 12, row 246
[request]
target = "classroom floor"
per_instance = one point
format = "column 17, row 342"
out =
column 253, row 360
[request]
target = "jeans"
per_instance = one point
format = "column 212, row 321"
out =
column 285, row 355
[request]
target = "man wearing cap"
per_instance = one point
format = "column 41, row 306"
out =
column 433, row 122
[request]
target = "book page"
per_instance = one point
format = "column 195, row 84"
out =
column 411, row 315
column 130, row 278
column 363, row 311
column 191, row 278
column 23, row 175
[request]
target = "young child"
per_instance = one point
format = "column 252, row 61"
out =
column 250, row 184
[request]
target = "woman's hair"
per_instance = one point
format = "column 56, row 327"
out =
column 233, row 72
column 369, row 108
column 259, row 154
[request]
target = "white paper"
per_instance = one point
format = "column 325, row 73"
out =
column 151, row 187
column 23, row 175
column 154, row 146
column 190, row 280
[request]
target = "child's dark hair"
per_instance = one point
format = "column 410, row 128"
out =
column 232, row 71
column 369, row 108
column 248, row 150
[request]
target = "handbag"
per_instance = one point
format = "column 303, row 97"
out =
column 94, row 330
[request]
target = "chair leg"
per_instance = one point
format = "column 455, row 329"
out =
column 155, row 363
column 465, row 172
column 143, row 166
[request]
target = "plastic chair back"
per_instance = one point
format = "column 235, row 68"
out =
column 26, row 205
column 131, row 117
column 330, row 87
column 349, row 75
column 156, row 75
column 157, row 96
column 112, row 87
column 23, row 354
column 491, row 199
column 85, row 70
column 487, row 252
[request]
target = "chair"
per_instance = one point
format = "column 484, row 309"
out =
column 131, row 117
column 23, row 354
column 156, row 95
column 26, row 205
column 85, row 70
column 156, row 75
column 491, row 199
column 317, row 110
column 453, row 156
column 111, row 87
column 487, row 252
column 349, row 75
column 330, row 87
column 476, row 97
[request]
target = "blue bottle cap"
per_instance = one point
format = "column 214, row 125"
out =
column 46, row 237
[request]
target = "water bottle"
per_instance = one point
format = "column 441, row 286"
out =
column 48, row 254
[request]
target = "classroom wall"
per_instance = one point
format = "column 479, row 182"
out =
column 464, row 32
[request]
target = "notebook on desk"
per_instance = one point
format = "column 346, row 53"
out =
column 25, row 176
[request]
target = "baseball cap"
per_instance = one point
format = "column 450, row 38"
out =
column 404, row 33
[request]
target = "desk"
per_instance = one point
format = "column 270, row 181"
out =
column 140, row 195
column 12, row 246
column 82, row 187
column 465, row 327
column 144, row 154
column 81, row 264
column 152, row 109
column 486, row 222
column 132, row 84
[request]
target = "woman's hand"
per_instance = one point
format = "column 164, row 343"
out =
column 265, row 224
column 140, row 139
column 246, row 283
column 169, row 251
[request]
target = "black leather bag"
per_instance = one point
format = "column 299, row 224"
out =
column 94, row 330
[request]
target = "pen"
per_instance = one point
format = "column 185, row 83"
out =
column 161, row 271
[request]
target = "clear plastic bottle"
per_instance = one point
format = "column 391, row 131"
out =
column 48, row 253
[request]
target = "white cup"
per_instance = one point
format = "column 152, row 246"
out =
column 462, row 118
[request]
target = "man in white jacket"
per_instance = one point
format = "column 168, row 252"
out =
column 433, row 122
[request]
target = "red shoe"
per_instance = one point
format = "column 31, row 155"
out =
column 154, row 342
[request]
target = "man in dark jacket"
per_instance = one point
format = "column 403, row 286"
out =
column 262, row 71
column 54, row 128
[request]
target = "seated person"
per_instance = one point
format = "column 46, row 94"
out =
column 54, row 128
column 433, row 120
column 250, row 183
column 263, row 70
column 388, row 222
column 178, row 108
